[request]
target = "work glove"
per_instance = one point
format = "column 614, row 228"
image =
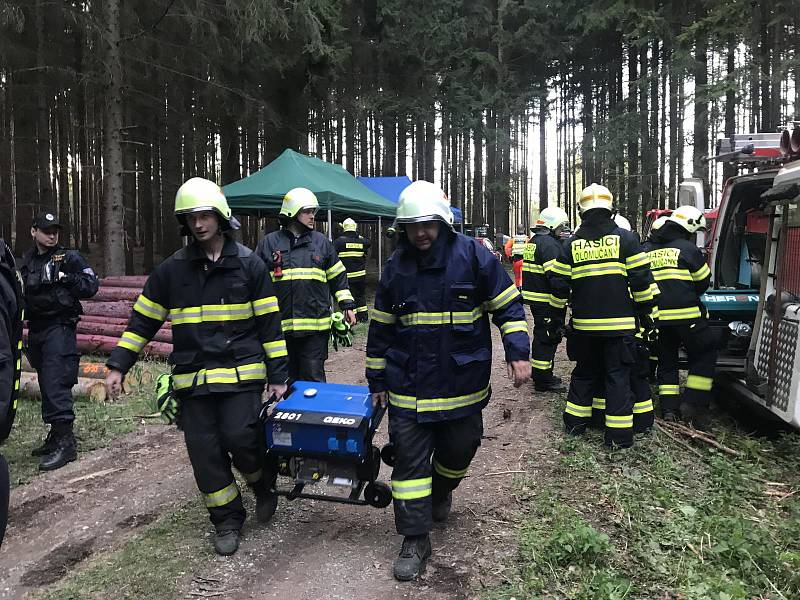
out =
column 553, row 330
column 649, row 328
column 165, row 403
column 340, row 332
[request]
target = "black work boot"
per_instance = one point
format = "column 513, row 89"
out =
column 441, row 508
column 226, row 542
column 696, row 415
column 549, row 383
column 64, row 450
column 47, row 446
column 413, row 556
column 266, row 504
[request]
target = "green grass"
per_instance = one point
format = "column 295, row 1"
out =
column 657, row 521
column 97, row 424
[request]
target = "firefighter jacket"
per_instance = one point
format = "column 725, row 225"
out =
column 540, row 254
column 49, row 297
column 429, row 342
column 682, row 276
column 226, row 332
column 11, row 317
column 352, row 250
column 608, row 275
column 306, row 272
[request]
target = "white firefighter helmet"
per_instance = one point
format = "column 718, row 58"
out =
column 552, row 217
column 659, row 223
column 595, row 196
column 423, row 201
column 349, row 225
column 298, row 199
column 622, row 222
column 689, row 217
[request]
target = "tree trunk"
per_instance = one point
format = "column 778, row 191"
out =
column 729, row 170
column 700, row 150
column 402, row 144
column 7, row 206
column 145, row 161
column 46, row 197
column 543, row 187
column 64, row 212
column 634, row 174
column 478, row 195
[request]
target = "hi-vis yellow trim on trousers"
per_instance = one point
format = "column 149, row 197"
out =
column 503, row 298
column 598, row 403
column 698, row 382
column 222, row 497
column 610, row 324
column 614, row 268
column 264, row 306
column 335, row 270
column 250, row 372
column 383, row 317
column 321, row 324
column 131, row 341
column 576, row 410
column 150, row 309
column 354, row 274
column 343, row 296
column 513, row 327
column 433, row 404
column 298, row 274
column 619, row 422
column 210, row 312
column 449, row 473
column 441, row 318
column 677, row 314
column 542, row 365
column 275, row 349
column 412, row 489
column 645, row 406
column 352, row 254
column 376, row 363
column 666, row 389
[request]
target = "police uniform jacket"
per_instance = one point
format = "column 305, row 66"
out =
column 540, row 254
column 429, row 343
column 310, row 273
column 608, row 275
column 352, row 250
column 226, row 332
column 681, row 273
column 11, row 317
column 48, row 299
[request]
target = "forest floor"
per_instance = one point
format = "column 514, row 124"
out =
column 538, row 516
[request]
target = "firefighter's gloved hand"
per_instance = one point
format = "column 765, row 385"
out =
column 165, row 402
column 340, row 331
column 649, row 329
column 553, row 330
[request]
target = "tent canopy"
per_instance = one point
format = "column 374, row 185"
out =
column 390, row 188
column 335, row 188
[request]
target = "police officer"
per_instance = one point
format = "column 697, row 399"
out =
column 306, row 272
column 11, row 316
column 612, row 295
column 352, row 250
column 226, row 342
column 682, row 275
column 429, row 354
column 56, row 279
column 548, row 312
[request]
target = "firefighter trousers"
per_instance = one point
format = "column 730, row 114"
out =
column 220, row 430
column 358, row 287
column 307, row 356
column 609, row 360
column 701, row 350
column 543, row 349
column 53, row 352
column 418, row 481
column 5, row 490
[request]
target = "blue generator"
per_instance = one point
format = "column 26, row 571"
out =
column 322, row 432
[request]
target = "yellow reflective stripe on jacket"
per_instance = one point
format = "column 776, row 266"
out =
column 275, row 349
column 263, row 306
column 503, row 298
column 354, row 274
column 298, row 274
column 556, row 302
column 248, row 372
column 535, row 296
column 637, row 260
column 612, row 268
column 598, row 403
column 441, row 318
column 548, row 266
column 666, row 274
column 542, row 365
column 306, row 324
column 666, row 389
column 640, row 408
column 222, row 497
column 131, row 341
column 343, row 296
column 378, row 364
column 412, row 489
column 700, row 383
column 576, row 410
column 380, row 316
column 449, row 473
column 513, row 327
column 610, row 324
column 560, row 268
column 352, row 254
column 210, row 312
column 434, row 404
column 619, row 422
column 533, row 268
column 677, row 314
column 335, row 270
column 149, row 308
column 644, row 296
column 701, row 273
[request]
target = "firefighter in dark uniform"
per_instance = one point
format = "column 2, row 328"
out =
column 683, row 276
column 11, row 316
column 227, row 342
column 55, row 279
column 429, row 354
column 306, row 272
column 608, row 275
column 548, row 312
column 352, row 250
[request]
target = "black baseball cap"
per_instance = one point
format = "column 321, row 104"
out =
column 46, row 220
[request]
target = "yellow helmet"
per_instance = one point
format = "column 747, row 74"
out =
column 349, row 225
column 198, row 194
column 595, row 196
column 298, row 199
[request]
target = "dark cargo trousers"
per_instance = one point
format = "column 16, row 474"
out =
column 418, row 481
column 358, row 287
column 701, row 351
column 52, row 351
column 220, row 430
column 543, row 350
column 307, row 356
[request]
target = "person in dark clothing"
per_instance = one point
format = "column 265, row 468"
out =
column 352, row 250
column 56, row 280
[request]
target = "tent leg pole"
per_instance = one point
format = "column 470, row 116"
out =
column 330, row 225
column 380, row 247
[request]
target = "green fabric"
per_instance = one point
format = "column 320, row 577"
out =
column 334, row 187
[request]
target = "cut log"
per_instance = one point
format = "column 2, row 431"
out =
column 93, row 370
column 94, row 389
column 112, row 294
column 103, row 344
column 162, row 335
column 120, row 309
column 115, row 321
column 130, row 281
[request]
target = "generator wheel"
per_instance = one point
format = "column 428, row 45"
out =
column 387, row 454
column 378, row 494
column 371, row 467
